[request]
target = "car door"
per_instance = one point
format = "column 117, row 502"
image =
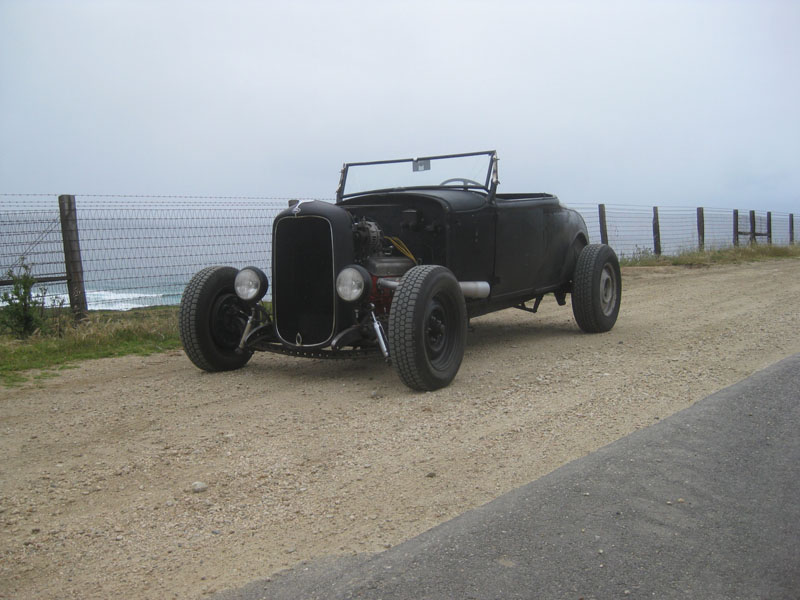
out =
column 519, row 246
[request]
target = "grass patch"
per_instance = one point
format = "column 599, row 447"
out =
column 721, row 256
column 103, row 334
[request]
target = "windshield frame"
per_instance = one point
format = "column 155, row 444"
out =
column 489, row 186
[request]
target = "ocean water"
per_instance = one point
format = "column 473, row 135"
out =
column 142, row 251
column 129, row 300
column 111, row 300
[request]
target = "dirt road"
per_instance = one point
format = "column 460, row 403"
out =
column 306, row 458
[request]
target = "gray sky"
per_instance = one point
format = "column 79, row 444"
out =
column 670, row 103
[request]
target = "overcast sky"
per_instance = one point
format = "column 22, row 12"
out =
column 672, row 103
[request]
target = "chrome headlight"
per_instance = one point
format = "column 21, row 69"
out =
column 353, row 283
column 251, row 284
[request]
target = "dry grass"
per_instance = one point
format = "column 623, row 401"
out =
column 102, row 334
column 732, row 255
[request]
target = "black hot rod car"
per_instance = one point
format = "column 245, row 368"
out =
column 409, row 252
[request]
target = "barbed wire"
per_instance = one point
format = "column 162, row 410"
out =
column 191, row 197
column 28, row 195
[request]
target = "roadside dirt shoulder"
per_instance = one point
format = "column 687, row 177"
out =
column 308, row 458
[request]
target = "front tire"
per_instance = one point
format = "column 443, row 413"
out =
column 596, row 289
column 211, row 321
column 427, row 327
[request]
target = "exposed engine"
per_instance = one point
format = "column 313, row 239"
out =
column 368, row 239
column 383, row 257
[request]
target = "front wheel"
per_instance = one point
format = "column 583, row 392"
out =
column 427, row 327
column 596, row 288
column 211, row 321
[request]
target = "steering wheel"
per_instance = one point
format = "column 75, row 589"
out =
column 463, row 180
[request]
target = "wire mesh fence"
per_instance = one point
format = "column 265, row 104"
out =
column 140, row 251
column 719, row 227
column 630, row 229
column 780, row 229
column 145, row 255
column 34, row 233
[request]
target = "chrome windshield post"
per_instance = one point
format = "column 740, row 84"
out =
column 495, row 177
column 340, row 188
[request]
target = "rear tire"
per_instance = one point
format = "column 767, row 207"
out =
column 427, row 327
column 596, row 289
column 211, row 321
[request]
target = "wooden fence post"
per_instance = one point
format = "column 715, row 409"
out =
column 656, row 233
column 701, row 229
column 769, row 228
column 72, row 256
column 791, row 229
column 735, row 227
column 601, row 210
column 752, row 227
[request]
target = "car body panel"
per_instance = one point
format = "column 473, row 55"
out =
column 518, row 243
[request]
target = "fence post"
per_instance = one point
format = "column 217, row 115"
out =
column 791, row 229
column 601, row 210
column 735, row 227
column 656, row 232
column 701, row 229
column 72, row 256
column 769, row 228
column 752, row 227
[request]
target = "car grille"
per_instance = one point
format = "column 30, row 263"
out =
column 304, row 287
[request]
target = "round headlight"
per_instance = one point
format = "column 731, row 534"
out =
column 353, row 283
column 251, row 284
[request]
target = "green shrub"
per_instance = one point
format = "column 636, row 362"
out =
column 23, row 311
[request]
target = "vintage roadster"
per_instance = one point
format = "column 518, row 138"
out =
column 411, row 250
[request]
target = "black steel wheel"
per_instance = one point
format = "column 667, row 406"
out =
column 596, row 289
column 211, row 320
column 427, row 327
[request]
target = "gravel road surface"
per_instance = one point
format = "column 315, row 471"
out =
column 702, row 504
column 305, row 459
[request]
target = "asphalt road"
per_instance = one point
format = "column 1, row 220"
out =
column 704, row 504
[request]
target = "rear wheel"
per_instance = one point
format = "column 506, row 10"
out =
column 211, row 320
column 427, row 327
column 596, row 289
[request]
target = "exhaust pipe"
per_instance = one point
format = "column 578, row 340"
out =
column 470, row 289
column 475, row 289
